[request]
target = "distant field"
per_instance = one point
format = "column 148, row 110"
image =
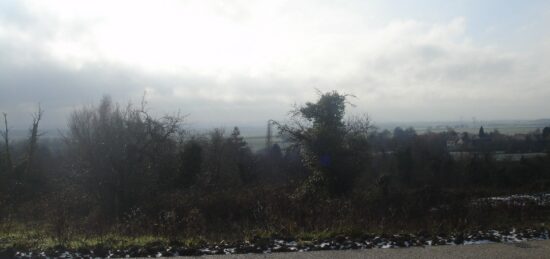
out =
column 256, row 140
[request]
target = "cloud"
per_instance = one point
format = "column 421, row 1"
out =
column 235, row 62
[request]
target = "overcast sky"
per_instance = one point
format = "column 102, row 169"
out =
column 244, row 62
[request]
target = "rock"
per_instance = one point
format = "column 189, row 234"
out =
column 154, row 247
column 100, row 251
column 340, row 239
column 118, row 253
column 262, row 242
column 135, row 251
column 400, row 243
column 459, row 239
column 493, row 238
column 83, row 251
column 49, row 252
column 439, row 242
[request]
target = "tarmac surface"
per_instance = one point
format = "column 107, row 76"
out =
column 527, row 249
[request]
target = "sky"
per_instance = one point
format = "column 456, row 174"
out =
column 233, row 62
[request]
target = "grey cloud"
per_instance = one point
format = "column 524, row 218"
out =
column 424, row 79
column 60, row 89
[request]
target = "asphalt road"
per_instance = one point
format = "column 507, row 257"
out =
column 530, row 249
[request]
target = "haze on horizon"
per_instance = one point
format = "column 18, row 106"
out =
column 243, row 62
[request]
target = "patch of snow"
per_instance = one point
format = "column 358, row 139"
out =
column 477, row 242
column 292, row 243
column 229, row 250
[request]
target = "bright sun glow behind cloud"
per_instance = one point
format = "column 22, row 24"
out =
column 172, row 36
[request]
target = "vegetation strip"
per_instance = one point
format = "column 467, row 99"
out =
column 120, row 172
column 279, row 244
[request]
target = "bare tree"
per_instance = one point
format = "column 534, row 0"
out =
column 33, row 138
column 121, row 150
column 5, row 135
